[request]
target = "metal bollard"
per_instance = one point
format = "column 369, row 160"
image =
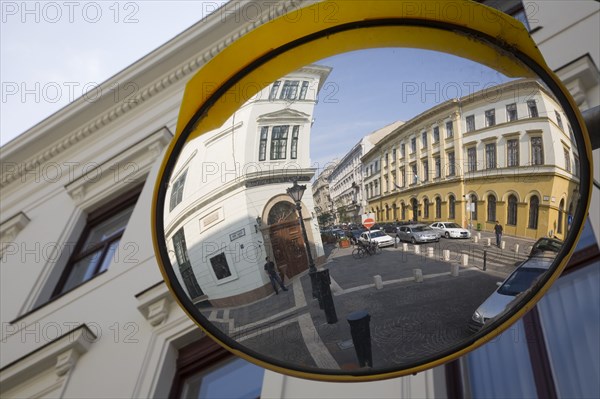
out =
column 454, row 270
column 404, row 247
column 488, row 242
column 417, row 249
column 484, row 260
column 396, row 242
column 475, row 239
column 516, row 248
column 465, row 260
column 502, row 244
column 324, row 282
column 361, row 336
column 479, row 236
column 430, row 252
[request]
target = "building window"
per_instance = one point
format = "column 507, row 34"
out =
column 472, row 159
column 513, row 152
column 425, row 170
column 279, row 135
column 402, row 150
column 303, row 90
column 97, row 246
column 206, row 370
column 413, row 145
column 532, row 106
column 426, row 208
column 511, row 112
column 490, row 117
column 294, row 145
column 438, row 208
column 559, row 120
column 262, row 149
column 402, row 177
column 424, row 140
column 567, row 159
column 385, row 159
column 438, row 167
column 451, row 207
column 403, row 211
column 415, row 176
column 491, row 208
column 576, row 166
column 177, row 191
column 473, row 198
column 561, row 210
column 470, row 123
column 537, row 151
column 274, row 90
column 393, row 154
column 289, row 90
column 376, row 166
column 511, row 218
column 185, row 266
column 534, row 207
column 220, row 266
column 449, row 130
column 395, row 211
column 436, row 135
column 490, row 156
column 451, row 164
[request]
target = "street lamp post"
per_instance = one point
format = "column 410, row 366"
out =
column 296, row 192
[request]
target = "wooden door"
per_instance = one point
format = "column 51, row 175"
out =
column 288, row 248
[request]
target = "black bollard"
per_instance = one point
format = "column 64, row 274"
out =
column 361, row 336
column 326, row 298
column 484, row 259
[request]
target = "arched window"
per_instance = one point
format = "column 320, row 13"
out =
column 394, row 212
column 403, row 209
column 282, row 212
column 512, row 210
column 425, row 208
column 491, row 208
column 561, row 210
column 387, row 212
column 534, row 208
column 415, row 208
column 451, row 207
column 438, row 208
column 474, row 205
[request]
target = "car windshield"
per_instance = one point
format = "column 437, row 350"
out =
column 546, row 245
column 452, row 226
column 421, row 228
column 376, row 234
column 520, row 281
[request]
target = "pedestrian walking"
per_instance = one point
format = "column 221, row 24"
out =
column 498, row 231
column 273, row 275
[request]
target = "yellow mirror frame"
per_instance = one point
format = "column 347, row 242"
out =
column 323, row 29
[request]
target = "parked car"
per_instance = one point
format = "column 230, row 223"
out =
column 354, row 235
column 391, row 229
column 520, row 280
column 382, row 239
column 417, row 233
column 450, row 230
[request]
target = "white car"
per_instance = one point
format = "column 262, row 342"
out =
column 378, row 236
column 450, row 230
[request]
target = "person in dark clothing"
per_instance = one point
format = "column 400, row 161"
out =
column 498, row 231
column 274, row 275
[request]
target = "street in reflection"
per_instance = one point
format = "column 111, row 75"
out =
column 357, row 214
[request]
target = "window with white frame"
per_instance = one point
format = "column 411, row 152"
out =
column 537, row 151
column 511, row 112
column 490, row 117
column 490, row 156
column 470, row 120
column 177, row 191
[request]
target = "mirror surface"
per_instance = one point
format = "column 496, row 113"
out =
column 443, row 153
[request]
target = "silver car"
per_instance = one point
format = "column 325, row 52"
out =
column 519, row 281
column 417, row 233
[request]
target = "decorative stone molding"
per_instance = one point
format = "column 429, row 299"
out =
column 122, row 170
column 61, row 355
column 154, row 303
column 12, row 226
column 151, row 90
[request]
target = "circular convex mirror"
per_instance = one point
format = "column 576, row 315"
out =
column 450, row 134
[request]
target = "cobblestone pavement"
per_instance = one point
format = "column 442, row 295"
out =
column 409, row 320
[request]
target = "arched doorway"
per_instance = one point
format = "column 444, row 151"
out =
column 287, row 243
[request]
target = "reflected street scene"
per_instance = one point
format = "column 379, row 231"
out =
column 365, row 212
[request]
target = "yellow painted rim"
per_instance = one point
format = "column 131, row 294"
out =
column 324, row 29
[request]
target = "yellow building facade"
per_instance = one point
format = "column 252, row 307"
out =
column 504, row 154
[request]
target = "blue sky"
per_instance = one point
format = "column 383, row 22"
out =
column 370, row 89
column 50, row 55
